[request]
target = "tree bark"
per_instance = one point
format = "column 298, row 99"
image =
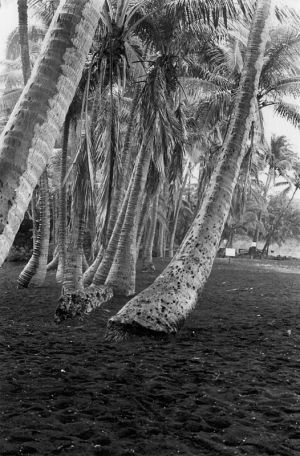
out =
column 27, row 141
column 149, row 242
column 163, row 307
column 62, row 208
column 122, row 273
column 161, row 247
column 89, row 274
column 176, row 213
column 123, row 175
column 35, row 270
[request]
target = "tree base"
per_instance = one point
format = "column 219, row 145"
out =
column 81, row 302
column 118, row 332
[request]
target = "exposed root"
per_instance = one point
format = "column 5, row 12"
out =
column 81, row 302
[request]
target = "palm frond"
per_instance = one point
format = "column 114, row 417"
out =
column 287, row 86
column 44, row 9
column 211, row 13
column 288, row 111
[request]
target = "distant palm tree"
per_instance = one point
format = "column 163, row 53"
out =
column 280, row 160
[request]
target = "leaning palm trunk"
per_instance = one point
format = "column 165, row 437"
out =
column 149, row 241
column 36, row 269
column 62, row 209
column 26, row 69
column 27, row 141
column 122, row 273
column 162, row 307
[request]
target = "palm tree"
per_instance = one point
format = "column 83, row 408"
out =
column 285, row 209
column 36, row 269
column 164, row 305
column 280, row 160
column 28, row 139
column 160, row 125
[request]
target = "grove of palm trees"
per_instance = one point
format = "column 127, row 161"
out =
column 136, row 159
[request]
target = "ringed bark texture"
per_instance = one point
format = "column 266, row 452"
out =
column 35, row 270
column 28, row 138
column 164, row 305
column 122, row 273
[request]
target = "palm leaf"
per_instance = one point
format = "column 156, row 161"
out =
column 288, row 111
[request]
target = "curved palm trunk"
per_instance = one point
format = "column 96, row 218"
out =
column 54, row 262
column 148, row 248
column 44, row 232
column 91, row 270
column 62, row 208
column 122, row 273
column 36, row 269
column 28, row 139
column 162, row 307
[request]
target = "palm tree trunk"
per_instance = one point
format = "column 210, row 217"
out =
column 91, row 271
column 163, row 307
column 161, row 241
column 62, row 209
column 122, row 273
column 176, row 212
column 149, row 242
column 69, row 304
column 123, row 176
column 143, row 220
column 36, row 269
column 259, row 216
column 54, row 262
column 109, row 254
column 72, row 280
column 27, row 141
column 23, row 38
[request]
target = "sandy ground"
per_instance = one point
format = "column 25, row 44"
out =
column 228, row 384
